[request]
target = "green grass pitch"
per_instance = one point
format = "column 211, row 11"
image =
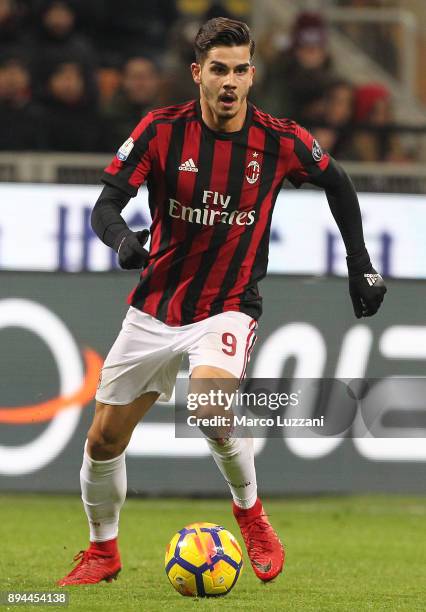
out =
column 343, row 553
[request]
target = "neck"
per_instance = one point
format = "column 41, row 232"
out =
column 223, row 124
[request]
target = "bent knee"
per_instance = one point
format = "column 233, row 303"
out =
column 104, row 443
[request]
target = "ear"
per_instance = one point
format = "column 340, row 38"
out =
column 196, row 73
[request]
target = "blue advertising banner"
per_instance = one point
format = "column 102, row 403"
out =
column 55, row 233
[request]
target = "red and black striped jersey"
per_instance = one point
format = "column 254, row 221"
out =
column 211, row 197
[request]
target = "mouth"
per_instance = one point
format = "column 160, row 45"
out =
column 227, row 99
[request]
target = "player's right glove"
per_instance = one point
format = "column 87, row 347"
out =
column 131, row 254
column 366, row 287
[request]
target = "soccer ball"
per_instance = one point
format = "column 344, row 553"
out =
column 203, row 560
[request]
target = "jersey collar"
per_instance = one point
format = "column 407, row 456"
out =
column 225, row 135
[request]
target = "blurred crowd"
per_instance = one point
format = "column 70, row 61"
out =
column 301, row 81
column 78, row 75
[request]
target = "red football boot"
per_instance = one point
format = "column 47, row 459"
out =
column 265, row 551
column 101, row 561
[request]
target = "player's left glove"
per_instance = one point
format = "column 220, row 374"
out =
column 366, row 287
column 131, row 254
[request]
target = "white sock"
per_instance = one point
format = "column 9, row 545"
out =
column 103, row 491
column 235, row 459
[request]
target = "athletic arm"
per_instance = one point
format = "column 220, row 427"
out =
column 125, row 174
column 112, row 229
column 309, row 164
column 107, row 222
column 366, row 286
column 344, row 206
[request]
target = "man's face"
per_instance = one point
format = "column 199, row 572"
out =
column 311, row 56
column 141, row 81
column 67, row 84
column 225, row 77
column 59, row 19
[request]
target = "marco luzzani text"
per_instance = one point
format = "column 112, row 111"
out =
column 225, row 401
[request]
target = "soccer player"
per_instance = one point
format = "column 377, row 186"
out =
column 214, row 167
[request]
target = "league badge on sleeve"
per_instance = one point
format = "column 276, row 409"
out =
column 317, row 153
column 125, row 149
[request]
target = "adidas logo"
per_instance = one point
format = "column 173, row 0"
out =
column 372, row 278
column 188, row 166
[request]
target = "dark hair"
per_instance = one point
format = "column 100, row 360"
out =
column 222, row 31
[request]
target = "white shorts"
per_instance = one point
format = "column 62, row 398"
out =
column 147, row 353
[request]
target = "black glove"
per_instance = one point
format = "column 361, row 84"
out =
column 366, row 286
column 129, row 246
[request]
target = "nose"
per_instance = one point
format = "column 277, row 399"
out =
column 229, row 82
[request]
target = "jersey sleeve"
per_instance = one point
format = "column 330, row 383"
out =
column 133, row 160
column 308, row 161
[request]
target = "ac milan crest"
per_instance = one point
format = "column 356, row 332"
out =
column 252, row 172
